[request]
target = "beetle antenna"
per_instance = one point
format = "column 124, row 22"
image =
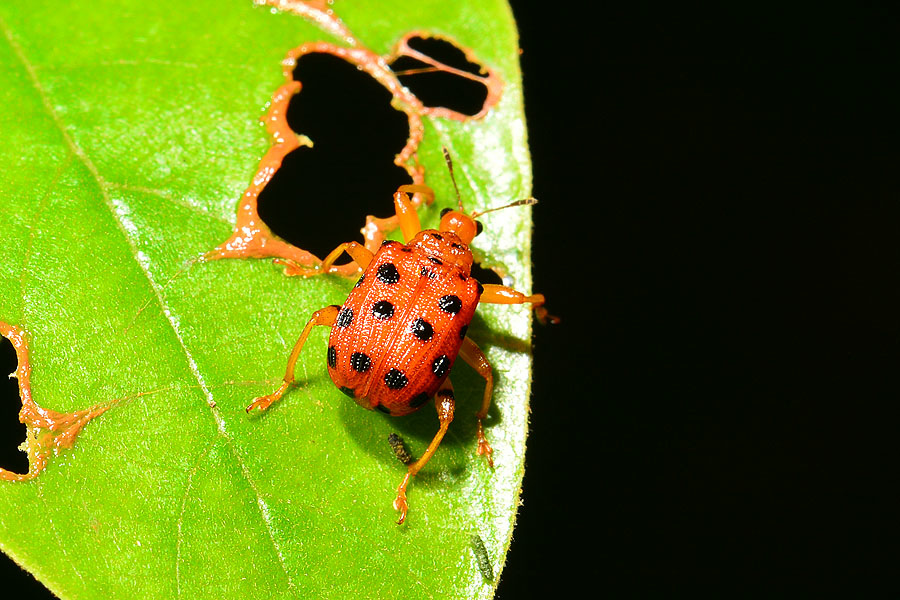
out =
column 522, row 202
column 452, row 178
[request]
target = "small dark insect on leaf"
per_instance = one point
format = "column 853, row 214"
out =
column 482, row 558
column 399, row 449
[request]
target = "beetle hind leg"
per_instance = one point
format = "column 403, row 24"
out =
column 445, row 404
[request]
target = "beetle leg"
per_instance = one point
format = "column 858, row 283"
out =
column 445, row 403
column 406, row 210
column 361, row 255
column 501, row 294
column 375, row 227
column 323, row 316
column 475, row 358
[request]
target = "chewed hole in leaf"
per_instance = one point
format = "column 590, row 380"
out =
column 484, row 275
column 12, row 431
column 307, row 210
column 445, row 52
column 46, row 430
column 443, row 83
column 317, row 196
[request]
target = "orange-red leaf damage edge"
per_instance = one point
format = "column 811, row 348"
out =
column 251, row 237
column 46, row 430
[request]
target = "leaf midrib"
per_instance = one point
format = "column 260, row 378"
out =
column 103, row 186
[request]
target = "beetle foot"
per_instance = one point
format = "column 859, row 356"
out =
column 484, row 447
column 401, row 505
column 261, row 402
column 295, row 269
column 544, row 317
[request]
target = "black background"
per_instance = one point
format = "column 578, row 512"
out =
column 717, row 230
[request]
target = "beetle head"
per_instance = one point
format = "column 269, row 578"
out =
column 463, row 225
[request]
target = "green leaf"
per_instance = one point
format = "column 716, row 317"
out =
column 131, row 130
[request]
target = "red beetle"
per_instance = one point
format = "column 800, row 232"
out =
column 397, row 335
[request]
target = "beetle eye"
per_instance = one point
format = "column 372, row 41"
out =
column 445, row 211
column 478, row 227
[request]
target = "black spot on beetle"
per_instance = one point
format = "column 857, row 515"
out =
column 395, row 379
column 419, row 400
column 435, row 260
column 344, row 318
column 425, row 272
column 405, row 249
column 388, row 273
column 360, row 362
column 383, row 310
column 441, row 365
column 422, row 329
column 437, row 236
column 450, row 304
column 348, row 391
column 444, row 211
column 332, row 356
column 462, row 332
column 383, row 408
column 457, row 246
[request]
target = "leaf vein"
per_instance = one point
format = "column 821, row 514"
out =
column 29, row 248
column 179, row 534
column 170, row 198
column 124, row 225
column 59, row 540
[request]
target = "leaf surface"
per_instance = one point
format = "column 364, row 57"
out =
column 130, row 132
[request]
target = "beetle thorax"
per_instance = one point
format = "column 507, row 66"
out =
column 444, row 247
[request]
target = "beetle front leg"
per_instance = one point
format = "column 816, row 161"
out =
column 445, row 404
column 501, row 294
column 405, row 209
column 407, row 199
column 324, row 316
column 361, row 255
